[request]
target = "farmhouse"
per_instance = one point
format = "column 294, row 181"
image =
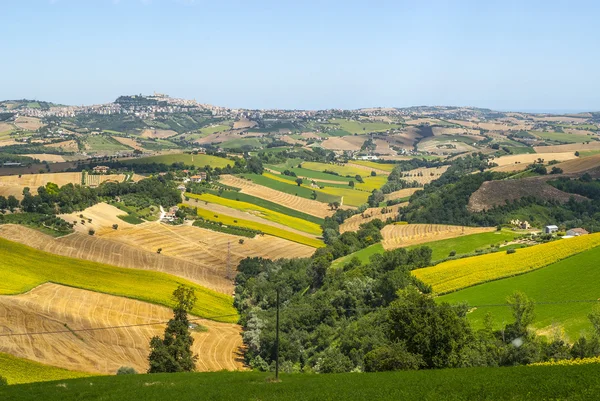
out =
column 199, row 178
column 101, row 169
column 550, row 229
column 576, row 232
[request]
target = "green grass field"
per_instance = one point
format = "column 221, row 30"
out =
column 233, row 195
column 348, row 196
column 371, row 183
column 102, row 143
column 239, row 142
column 575, row 383
column 359, row 127
column 20, row 370
column 343, row 170
column 188, row 159
column 562, row 137
column 215, row 128
column 265, row 228
column 23, row 268
column 572, row 279
column 289, row 221
column 315, row 175
column 464, row 245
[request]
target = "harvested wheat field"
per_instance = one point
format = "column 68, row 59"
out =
column 28, row 123
column 366, row 168
column 157, row 133
column 103, row 217
column 569, row 147
column 401, row 235
column 424, row 175
column 13, row 185
column 403, row 193
column 437, row 131
column 46, row 157
column 497, row 193
column 580, row 165
column 382, row 213
column 209, row 274
column 56, row 308
column 340, row 143
column 241, row 124
column 529, row 158
column 93, row 180
column 239, row 214
column 6, row 127
column 69, row 146
column 308, row 206
column 132, row 143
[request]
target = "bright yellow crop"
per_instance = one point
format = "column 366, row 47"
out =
column 456, row 274
column 265, row 228
column 289, row 221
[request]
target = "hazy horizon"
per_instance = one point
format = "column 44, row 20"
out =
column 311, row 55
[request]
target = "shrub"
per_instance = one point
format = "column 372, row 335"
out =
column 3, row 381
column 452, row 253
column 91, row 231
column 511, row 250
column 126, row 370
column 115, row 226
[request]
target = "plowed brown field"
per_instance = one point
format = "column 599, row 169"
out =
column 401, row 235
column 52, row 307
column 308, row 206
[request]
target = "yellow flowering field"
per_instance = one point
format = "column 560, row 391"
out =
column 461, row 273
column 569, row 362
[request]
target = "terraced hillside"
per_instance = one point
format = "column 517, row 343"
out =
column 402, row 235
column 308, row 206
column 55, row 308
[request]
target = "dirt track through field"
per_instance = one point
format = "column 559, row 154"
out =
column 52, row 307
column 401, row 235
column 308, row 206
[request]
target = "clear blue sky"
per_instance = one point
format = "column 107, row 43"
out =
column 508, row 55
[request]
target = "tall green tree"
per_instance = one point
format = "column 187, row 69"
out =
column 173, row 352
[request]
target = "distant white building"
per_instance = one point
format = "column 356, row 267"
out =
column 550, row 229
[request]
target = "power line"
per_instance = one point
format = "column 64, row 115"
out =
column 125, row 326
column 287, row 309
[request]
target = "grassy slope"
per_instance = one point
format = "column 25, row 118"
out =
column 189, row 159
column 518, row 383
column 23, row 268
column 267, row 214
column 316, row 175
column 562, row 137
column 20, row 370
column 462, row 273
column 380, row 166
column 575, row 278
column 265, row 228
column 440, row 249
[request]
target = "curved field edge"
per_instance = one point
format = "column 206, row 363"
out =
column 292, row 222
column 458, row 274
column 507, row 383
column 564, row 293
column 20, row 370
column 264, row 228
column 23, row 268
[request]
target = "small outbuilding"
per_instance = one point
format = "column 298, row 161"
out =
column 576, row 232
column 551, row 229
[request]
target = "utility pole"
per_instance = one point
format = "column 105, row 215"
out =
column 277, row 340
column 228, row 268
